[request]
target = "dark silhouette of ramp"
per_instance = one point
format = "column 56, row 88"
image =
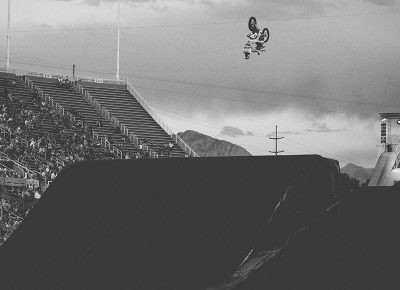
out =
column 355, row 246
column 183, row 223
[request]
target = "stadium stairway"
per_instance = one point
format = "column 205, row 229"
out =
column 121, row 104
column 74, row 102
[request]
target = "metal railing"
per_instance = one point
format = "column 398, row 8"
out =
column 397, row 161
column 5, row 130
column 60, row 109
column 182, row 144
column 3, row 155
column 107, row 144
column 21, row 166
column 19, row 72
column 101, row 80
column 15, row 181
column 46, row 97
column 114, row 121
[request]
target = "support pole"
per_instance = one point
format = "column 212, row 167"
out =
column 118, row 42
column 8, row 36
column 276, row 138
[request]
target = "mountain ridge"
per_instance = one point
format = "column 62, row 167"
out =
column 207, row 146
column 357, row 172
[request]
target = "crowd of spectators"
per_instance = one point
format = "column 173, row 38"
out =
column 10, row 217
column 167, row 149
column 64, row 83
column 45, row 154
column 11, row 173
column 13, row 198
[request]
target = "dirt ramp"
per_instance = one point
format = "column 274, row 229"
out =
column 179, row 223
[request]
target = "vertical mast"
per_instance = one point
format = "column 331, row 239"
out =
column 118, row 43
column 8, row 37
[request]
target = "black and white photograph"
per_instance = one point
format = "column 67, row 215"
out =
column 199, row 144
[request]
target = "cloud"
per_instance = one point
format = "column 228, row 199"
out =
column 318, row 127
column 282, row 133
column 233, row 132
column 98, row 2
column 306, row 5
column 290, row 132
column 382, row 2
column 157, row 2
column 249, row 133
column 321, row 66
column 45, row 25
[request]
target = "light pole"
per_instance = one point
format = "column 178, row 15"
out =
column 118, row 43
column 8, row 37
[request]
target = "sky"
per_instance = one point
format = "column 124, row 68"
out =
column 329, row 68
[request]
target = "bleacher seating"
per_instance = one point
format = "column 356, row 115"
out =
column 26, row 96
column 36, row 143
column 59, row 140
column 121, row 104
column 74, row 102
column 53, row 142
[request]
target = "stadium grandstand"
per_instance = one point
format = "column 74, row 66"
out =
column 48, row 122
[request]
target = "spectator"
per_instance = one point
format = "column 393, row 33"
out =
column 37, row 194
column 109, row 137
